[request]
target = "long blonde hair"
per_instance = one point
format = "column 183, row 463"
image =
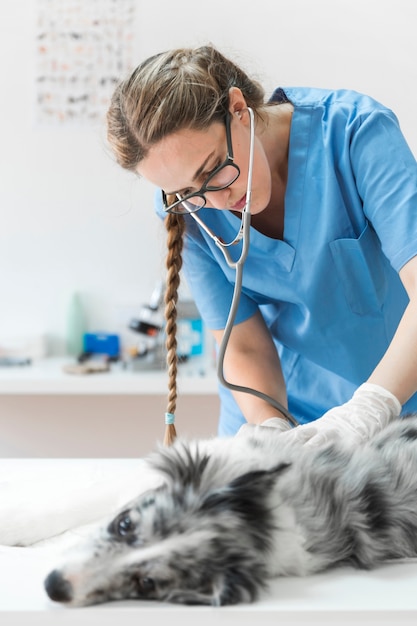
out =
column 170, row 91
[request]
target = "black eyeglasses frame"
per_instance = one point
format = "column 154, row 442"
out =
column 229, row 161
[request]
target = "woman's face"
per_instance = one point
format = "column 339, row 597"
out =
column 181, row 162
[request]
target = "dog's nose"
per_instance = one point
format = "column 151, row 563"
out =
column 57, row 588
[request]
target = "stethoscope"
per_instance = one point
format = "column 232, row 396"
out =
column 244, row 236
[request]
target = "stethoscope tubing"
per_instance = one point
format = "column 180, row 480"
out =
column 238, row 266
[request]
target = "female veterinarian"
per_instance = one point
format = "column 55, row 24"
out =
column 327, row 319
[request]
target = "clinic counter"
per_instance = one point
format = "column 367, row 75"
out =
column 47, row 377
column 47, row 412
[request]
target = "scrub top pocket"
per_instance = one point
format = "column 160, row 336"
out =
column 360, row 266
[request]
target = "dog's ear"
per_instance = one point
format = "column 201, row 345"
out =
column 246, row 495
column 181, row 465
column 260, row 478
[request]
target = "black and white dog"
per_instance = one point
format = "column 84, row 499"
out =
column 227, row 515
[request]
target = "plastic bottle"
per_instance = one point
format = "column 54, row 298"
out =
column 76, row 326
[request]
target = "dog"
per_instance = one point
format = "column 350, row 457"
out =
column 228, row 515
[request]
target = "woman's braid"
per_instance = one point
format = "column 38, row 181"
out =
column 175, row 226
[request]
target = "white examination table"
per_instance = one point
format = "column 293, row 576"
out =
column 385, row 596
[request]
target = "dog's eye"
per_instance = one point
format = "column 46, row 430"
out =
column 124, row 525
column 146, row 585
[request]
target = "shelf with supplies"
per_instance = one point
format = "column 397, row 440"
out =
column 48, row 377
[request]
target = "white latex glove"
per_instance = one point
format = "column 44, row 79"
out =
column 370, row 409
column 279, row 424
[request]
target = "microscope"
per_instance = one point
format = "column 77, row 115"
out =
column 149, row 352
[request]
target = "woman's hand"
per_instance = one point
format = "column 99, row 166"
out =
column 279, row 424
column 370, row 409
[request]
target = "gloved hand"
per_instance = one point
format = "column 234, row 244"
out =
column 279, row 424
column 370, row 409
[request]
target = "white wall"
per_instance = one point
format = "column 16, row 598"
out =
column 70, row 219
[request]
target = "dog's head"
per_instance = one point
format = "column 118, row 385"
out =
column 192, row 541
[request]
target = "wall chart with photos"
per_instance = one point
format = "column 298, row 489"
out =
column 83, row 47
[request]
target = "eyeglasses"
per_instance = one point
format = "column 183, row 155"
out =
column 221, row 178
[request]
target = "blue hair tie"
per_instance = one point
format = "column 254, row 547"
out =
column 169, row 418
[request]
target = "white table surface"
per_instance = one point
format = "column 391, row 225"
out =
column 385, row 596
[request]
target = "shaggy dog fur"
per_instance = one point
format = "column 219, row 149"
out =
column 230, row 514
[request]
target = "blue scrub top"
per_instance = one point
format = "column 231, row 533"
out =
column 329, row 291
